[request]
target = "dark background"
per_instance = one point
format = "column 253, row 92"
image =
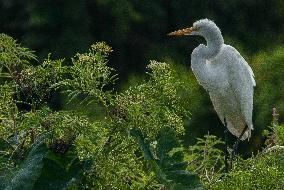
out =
column 137, row 29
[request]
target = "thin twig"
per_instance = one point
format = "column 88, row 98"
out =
column 206, row 175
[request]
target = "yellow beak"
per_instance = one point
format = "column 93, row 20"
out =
column 185, row 31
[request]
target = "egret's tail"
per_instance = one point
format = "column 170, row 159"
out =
column 238, row 131
column 247, row 133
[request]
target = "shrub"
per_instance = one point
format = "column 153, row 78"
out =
column 130, row 146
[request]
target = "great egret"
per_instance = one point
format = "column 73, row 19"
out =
column 225, row 74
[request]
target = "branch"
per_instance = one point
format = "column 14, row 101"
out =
column 274, row 148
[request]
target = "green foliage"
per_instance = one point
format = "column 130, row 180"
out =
column 265, row 171
column 30, row 84
column 13, row 56
column 97, row 153
column 275, row 135
column 7, row 105
column 60, row 173
column 167, row 162
column 42, row 169
column 140, row 108
column 34, row 83
column 268, row 68
column 90, row 74
column 29, row 171
column 279, row 133
column 207, row 159
column 135, row 145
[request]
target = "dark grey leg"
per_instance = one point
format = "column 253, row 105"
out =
column 226, row 169
column 236, row 144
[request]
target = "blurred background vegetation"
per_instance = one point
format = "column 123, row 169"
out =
column 137, row 32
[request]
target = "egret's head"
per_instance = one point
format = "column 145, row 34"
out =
column 203, row 27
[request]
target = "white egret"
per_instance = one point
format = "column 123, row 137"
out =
column 225, row 74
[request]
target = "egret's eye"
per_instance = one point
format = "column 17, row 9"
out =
column 197, row 27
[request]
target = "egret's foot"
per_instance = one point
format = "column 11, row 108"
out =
column 235, row 147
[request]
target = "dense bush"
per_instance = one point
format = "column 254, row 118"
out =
column 265, row 171
column 104, row 139
column 127, row 147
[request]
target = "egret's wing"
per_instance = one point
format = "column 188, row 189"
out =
column 217, row 103
column 241, row 79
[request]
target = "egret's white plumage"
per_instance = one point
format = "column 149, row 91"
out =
column 225, row 74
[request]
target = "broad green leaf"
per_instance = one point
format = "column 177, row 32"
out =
column 173, row 178
column 30, row 170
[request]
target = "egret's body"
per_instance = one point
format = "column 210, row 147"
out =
column 225, row 74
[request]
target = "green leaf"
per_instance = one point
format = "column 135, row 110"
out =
column 60, row 172
column 30, row 170
column 173, row 178
column 172, row 164
column 184, row 179
column 145, row 147
column 166, row 142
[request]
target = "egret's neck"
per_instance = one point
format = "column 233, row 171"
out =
column 202, row 53
column 214, row 41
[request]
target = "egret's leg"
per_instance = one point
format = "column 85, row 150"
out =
column 226, row 151
column 236, row 144
column 226, row 147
